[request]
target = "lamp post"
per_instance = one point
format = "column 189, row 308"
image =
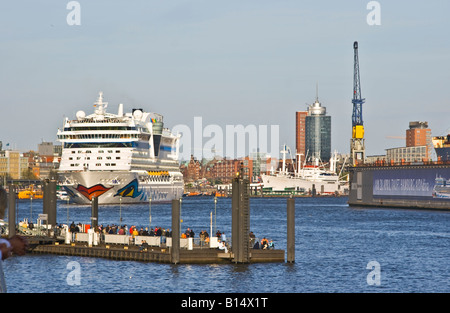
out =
column 120, row 210
column 150, row 214
column 31, row 208
column 215, row 214
column 181, row 220
column 210, row 226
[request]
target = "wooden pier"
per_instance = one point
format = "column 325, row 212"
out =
column 151, row 254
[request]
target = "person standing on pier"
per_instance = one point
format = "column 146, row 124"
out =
column 224, row 237
column 73, row 229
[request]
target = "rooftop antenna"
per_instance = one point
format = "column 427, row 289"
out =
column 317, row 92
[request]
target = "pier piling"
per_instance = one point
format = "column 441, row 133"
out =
column 290, row 230
column 49, row 201
column 94, row 212
column 240, row 224
column 175, row 251
column 12, row 211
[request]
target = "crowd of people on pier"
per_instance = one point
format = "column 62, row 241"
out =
column 124, row 230
column 133, row 231
column 264, row 244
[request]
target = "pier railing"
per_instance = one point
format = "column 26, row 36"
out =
column 151, row 241
column 158, row 241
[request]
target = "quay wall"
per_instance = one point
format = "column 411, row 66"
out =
column 408, row 186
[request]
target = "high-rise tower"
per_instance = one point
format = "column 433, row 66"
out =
column 318, row 132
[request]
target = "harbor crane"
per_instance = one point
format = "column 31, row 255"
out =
column 357, row 148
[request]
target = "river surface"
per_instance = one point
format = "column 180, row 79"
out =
column 338, row 249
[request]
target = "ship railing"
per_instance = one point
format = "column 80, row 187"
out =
column 92, row 120
column 66, row 182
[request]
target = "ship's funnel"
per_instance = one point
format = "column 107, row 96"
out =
column 120, row 111
column 157, row 133
column 157, row 128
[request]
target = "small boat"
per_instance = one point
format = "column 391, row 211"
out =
column 62, row 195
column 30, row 193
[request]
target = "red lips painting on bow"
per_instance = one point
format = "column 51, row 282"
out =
column 94, row 191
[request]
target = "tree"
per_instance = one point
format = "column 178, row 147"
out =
column 28, row 174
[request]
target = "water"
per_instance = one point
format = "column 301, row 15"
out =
column 334, row 244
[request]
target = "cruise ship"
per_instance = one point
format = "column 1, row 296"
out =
column 313, row 179
column 119, row 158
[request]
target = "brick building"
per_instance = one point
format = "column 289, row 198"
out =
column 300, row 129
column 223, row 170
column 419, row 145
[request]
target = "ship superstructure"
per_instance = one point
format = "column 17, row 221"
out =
column 119, row 158
column 312, row 179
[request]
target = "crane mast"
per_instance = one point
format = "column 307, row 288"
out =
column 357, row 148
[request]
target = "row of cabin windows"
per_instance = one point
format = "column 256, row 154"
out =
column 98, row 158
column 100, row 136
column 89, row 151
column 97, row 164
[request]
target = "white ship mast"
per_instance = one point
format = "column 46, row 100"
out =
column 100, row 105
column 284, row 152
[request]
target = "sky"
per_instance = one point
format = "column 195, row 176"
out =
column 251, row 62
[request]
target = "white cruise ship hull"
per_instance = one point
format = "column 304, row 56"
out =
column 119, row 187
